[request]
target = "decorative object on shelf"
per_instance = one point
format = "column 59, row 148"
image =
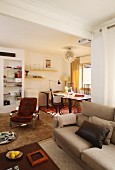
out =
column 6, row 102
column 26, row 71
column 34, row 66
column 69, row 55
column 47, row 63
column 11, row 74
column 58, row 82
column 18, row 74
column 37, row 77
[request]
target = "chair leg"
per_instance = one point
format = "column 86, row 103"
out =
column 38, row 116
column 56, row 109
column 59, row 110
column 10, row 119
column 10, row 123
column 33, row 123
column 60, row 107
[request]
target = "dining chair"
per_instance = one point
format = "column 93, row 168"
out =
column 57, row 102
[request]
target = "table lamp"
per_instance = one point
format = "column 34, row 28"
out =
column 65, row 78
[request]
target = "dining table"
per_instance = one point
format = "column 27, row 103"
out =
column 73, row 96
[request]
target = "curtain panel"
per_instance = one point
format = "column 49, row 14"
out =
column 103, row 67
column 75, row 74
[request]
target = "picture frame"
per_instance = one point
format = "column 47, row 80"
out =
column 48, row 63
column 37, row 157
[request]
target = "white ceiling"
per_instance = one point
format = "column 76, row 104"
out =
column 23, row 34
column 93, row 12
column 18, row 33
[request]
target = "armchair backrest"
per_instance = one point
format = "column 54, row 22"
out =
column 27, row 106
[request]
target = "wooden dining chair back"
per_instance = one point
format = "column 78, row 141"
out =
column 57, row 102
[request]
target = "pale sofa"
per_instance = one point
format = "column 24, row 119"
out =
column 81, row 150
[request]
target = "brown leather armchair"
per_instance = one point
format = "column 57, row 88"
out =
column 26, row 114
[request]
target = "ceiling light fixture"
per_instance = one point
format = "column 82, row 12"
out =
column 69, row 55
column 84, row 42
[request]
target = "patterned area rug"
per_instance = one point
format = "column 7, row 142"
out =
column 25, row 135
column 64, row 110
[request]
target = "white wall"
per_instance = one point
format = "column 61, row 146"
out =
column 58, row 63
column 85, row 59
column 97, row 72
column 44, row 16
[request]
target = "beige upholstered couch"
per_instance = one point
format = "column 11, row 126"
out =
column 88, row 156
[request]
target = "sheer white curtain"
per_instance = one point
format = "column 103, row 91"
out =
column 108, row 36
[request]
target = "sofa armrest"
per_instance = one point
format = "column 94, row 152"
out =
column 55, row 121
column 65, row 119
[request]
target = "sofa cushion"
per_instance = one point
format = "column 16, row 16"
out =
column 100, row 159
column 80, row 119
column 104, row 123
column 74, row 143
column 94, row 133
column 93, row 109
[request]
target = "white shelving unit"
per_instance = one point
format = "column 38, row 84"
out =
column 11, row 79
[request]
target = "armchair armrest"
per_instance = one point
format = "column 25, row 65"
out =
column 36, row 111
column 35, row 114
column 14, row 111
column 11, row 113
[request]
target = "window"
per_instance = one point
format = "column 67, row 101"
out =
column 85, row 78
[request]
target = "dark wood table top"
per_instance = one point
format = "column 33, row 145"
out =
column 23, row 162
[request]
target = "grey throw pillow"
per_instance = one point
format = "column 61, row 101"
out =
column 105, row 123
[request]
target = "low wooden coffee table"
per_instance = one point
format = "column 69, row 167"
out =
column 23, row 162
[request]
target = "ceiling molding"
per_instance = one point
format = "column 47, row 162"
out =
column 59, row 13
column 32, row 10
